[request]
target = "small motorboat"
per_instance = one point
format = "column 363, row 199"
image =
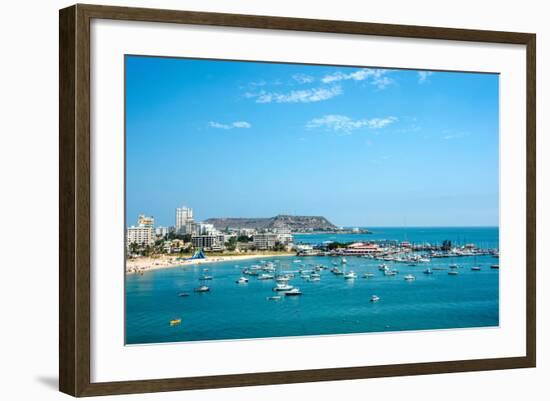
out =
column 274, row 298
column 242, row 280
column 283, row 287
column 337, row 271
column 375, row 298
column 293, row 292
column 265, row 276
column 183, row 294
column 175, row 322
column 344, row 261
column 409, row 277
column 428, row 271
column 368, row 275
column 453, row 273
column 205, row 278
column 476, row 268
column 494, row 266
column 350, row 276
column 453, row 266
column 389, row 273
column 202, row 288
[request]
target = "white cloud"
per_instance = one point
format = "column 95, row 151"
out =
column 236, row 124
column 344, row 124
column 303, row 78
column 423, row 76
column 297, row 96
column 376, row 77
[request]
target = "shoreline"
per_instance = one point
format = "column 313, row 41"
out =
column 144, row 264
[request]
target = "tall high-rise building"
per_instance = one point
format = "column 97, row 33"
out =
column 184, row 220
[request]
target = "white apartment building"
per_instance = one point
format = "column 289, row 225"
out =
column 206, row 229
column 140, row 235
column 184, row 220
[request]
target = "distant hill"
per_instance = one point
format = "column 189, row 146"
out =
column 294, row 223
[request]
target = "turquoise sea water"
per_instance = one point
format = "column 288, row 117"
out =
column 331, row 306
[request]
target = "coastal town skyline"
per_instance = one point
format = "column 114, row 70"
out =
column 362, row 147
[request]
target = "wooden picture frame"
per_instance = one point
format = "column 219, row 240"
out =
column 74, row 199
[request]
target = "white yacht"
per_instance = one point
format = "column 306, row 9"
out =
column 242, row 280
column 283, row 287
column 293, row 291
column 453, row 273
column 265, row 276
column 375, row 298
column 410, row 277
column 202, row 288
column 476, row 268
column 351, row 275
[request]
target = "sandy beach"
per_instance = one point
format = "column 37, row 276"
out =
column 142, row 264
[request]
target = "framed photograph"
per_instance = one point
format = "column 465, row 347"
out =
column 250, row 200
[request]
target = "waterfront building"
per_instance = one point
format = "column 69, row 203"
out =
column 361, row 248
column 263, row 241
column 184, row 220
column 208, row 242
column 140, row 235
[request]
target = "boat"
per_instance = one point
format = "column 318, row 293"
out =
column 344, row 261
column 242, row 280
column 453, row 273
column 389, row 273
column 368, row 275
column 315, row 275
column 274, row 298
column 282, row 278
column 175, row 322
column 183, row 294
column 314, row 279
column 424, row 260
column 337, row 271
column 494, row 266
column 202, row 288
column 265, row 276
column 428, row 271
column 283, row 287
column 350, row 276
column 453, row 266
column 375, row 298
column 476, row 268
column 383, row 266
column 410, row 277
column 205, row 278
column 294, row 291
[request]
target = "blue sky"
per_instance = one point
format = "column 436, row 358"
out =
column 360, row 146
